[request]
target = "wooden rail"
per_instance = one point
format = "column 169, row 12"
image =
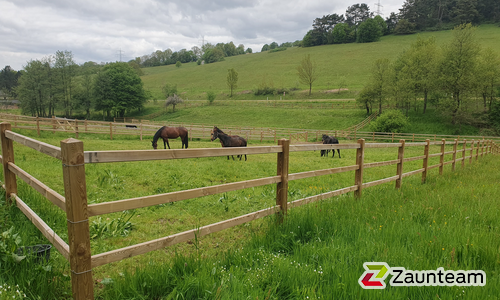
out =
column 74, row 203
column 146, row 129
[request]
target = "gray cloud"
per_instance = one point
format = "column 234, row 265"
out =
column 100, row 30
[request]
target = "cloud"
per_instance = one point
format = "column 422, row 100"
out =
column 103, row 30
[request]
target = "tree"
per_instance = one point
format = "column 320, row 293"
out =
column 178, row 64
column 122, row 89
column 34, row 90
column 103, row 94
column 65, row 70
column 404, row 27
column 488, row 76
column 264, row 48
column 380, row 81
column 356, row 14
column 342, row 33
column 369, row 31
column 8, row 80
column 307, row 72
column 381, row 23
column 458, row 67
column 366, row 97
column 173, row 100
column 232, row 80
column 169, row 90
column 418, row 65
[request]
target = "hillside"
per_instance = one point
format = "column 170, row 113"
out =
column 279, row 69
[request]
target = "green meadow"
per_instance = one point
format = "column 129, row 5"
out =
column 279, row 69
column 318, row 252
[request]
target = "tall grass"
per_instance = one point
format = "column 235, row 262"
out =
column 318, row 252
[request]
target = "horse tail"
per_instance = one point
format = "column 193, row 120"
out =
column 186, row 140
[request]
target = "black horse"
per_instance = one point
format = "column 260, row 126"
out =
column 171, row 132
column 228, row 140
column 329, row 140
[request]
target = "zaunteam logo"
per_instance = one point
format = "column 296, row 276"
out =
column 376, row 273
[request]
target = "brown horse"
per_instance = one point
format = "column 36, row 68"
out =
column 228, row 140
column 171, row 132
column 329, row 140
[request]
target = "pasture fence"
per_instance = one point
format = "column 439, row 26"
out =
column 145, row 128
column 75, row 203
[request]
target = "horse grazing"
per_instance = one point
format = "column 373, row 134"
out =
column 329, row 140
column 170, row 132
column 228, row 140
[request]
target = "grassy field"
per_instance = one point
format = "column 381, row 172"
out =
column 318, row 252
column 279, row 69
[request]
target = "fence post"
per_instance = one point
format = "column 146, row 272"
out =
column 441, row 157
column 454, row 155
column 282, row 186
column 111, row 130
column 8, row 156
column 38, row 126
column 85, row 125
column 471, row 151
column 426, row 160
column 53, row 124
column 141, row 131
column 75, row 193
column 463, row 153
column 76, row 128
column 358, row 175
column 477, row 149
column 482, row 147
column 399, row 168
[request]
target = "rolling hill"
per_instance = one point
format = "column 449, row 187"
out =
column 278, row 69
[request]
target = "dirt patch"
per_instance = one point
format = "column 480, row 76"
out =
column 334, row 91
column 244, row 92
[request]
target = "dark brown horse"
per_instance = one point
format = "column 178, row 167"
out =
column 329, row 140
column 171, row 132
column 228, row 140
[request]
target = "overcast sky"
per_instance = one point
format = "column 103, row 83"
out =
column 107, row 30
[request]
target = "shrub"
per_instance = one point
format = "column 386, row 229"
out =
column 211, row 97
column 390, row 121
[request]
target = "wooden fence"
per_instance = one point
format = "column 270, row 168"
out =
column 75, row 204
column 143, row 128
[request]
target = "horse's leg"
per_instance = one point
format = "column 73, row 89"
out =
column 338, row 150
column 245, row 157
column 168, row 145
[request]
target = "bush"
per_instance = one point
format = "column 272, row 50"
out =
column 390, row 121
column 211, row 97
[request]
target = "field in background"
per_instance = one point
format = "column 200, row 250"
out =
column 279, row 69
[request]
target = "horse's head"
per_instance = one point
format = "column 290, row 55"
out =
column 214, row 133
column 324, row 137
column 154, row 144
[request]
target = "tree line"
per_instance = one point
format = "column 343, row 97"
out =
column 455, row 78
column 359, row 24
column 208, row 53
column 58, row 83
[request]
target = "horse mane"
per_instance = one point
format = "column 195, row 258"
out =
column 157, row 134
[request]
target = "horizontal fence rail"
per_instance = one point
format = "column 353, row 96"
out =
column 146, row 129
column 78, row 211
